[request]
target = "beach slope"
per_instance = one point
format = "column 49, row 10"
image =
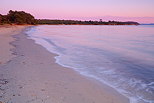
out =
column 29, row 74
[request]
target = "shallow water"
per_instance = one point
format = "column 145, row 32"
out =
column 120, row 56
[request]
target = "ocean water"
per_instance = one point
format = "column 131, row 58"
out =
column 119, row 56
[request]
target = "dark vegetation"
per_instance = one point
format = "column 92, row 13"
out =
column 75, row 22
column 21, row 17
column 17, row 17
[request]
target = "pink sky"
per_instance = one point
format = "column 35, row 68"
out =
column 125, row 10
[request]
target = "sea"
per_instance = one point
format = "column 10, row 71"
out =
column 122, row 57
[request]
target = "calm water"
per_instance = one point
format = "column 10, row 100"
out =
column 120, row 56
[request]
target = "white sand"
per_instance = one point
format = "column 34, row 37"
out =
column 32, row 76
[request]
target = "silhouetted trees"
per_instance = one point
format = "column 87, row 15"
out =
column 17, row 17
column 21, row 17
column 75, row 22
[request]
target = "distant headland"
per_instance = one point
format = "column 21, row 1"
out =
column 21, row 17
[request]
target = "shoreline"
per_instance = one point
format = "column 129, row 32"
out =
column 33, row 76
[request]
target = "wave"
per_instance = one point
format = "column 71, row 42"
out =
column 107, row 70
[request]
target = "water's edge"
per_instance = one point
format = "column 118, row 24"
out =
column 133, row 76
column 57, row 55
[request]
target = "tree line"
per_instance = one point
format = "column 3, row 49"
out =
column 21, row 17
column 76, row 22
column 17, row 17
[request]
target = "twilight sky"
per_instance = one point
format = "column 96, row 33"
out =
column 138, row 10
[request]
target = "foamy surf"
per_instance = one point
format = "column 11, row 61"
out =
column 112, row 57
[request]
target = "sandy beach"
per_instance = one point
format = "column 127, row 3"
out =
column 6, row 33
column 29, row 74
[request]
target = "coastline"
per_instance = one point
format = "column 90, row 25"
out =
column 33, row 76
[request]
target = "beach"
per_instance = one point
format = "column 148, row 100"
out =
column 6, row 33
column 29, row 74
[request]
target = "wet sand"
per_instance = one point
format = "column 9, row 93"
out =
column 29, row 74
